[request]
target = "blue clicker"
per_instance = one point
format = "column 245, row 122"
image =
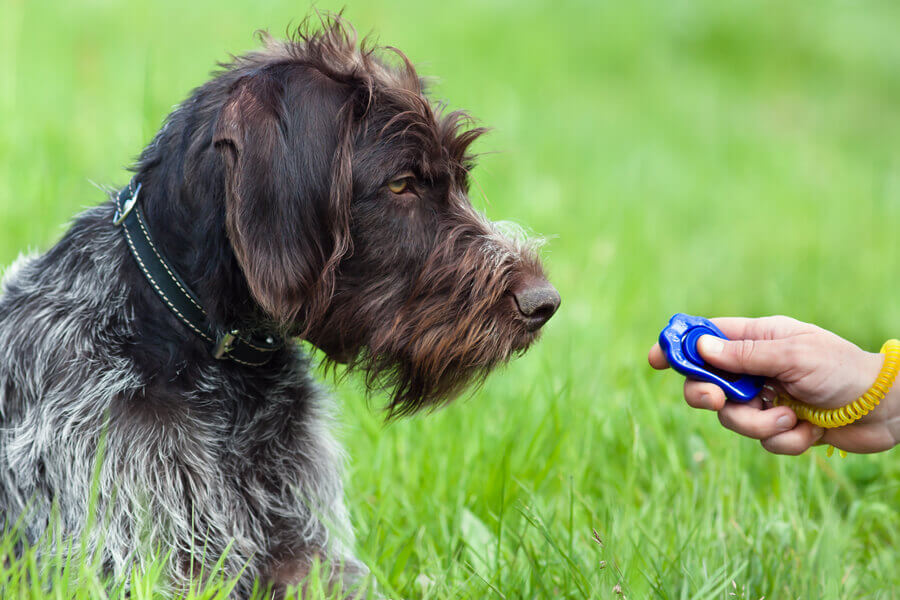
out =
column 679, row 342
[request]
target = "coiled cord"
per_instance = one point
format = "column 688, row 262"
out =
column 830, row 418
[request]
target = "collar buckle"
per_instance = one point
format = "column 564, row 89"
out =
column 224, row 344
column 120, row 214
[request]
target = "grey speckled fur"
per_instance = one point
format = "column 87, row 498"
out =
column 64, row 381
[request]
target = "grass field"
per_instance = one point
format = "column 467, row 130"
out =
column 699, row 156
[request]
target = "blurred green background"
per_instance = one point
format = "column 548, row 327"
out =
column 700, row 156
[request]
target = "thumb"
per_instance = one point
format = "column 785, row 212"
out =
column 753, row 357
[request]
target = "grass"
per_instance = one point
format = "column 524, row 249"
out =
column 707, row 157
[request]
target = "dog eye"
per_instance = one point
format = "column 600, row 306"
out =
column 400, row 184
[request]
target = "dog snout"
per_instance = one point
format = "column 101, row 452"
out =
column 536, row 301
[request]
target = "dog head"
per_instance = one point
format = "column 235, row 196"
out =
column 347, row 209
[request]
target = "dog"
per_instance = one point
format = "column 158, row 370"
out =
column 309, row 191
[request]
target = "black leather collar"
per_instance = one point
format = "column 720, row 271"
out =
column 244, row 348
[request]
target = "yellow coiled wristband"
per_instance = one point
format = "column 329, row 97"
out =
column 844, row 415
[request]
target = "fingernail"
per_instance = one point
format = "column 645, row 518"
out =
column 818, row 432
column 705, row 400
column 784, row 422
column 710, row 344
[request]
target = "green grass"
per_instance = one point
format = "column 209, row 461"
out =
column 756, row 142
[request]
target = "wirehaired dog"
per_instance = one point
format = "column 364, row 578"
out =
column 309, row 191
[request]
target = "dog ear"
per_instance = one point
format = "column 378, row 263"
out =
column 287, row 188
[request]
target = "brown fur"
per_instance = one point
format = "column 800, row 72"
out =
column 421, row 320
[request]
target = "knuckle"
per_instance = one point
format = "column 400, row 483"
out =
column 764, row 327
column 777, row 326
column 726, row 419
column 776, row 446
column 744, row 351
column 773, row 320
column 793, row 353
column 696, row 394
column 693, row 400
column 716, row 401
column 769, row 446
column 746, row 422
column 790, row 352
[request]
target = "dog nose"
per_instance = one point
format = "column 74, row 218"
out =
column 536, row 300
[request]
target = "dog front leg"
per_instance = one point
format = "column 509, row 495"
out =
column 294, row 577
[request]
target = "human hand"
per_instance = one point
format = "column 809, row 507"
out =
column 812, row 365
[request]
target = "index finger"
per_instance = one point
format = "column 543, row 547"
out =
column 736, row 328
column 760, row 328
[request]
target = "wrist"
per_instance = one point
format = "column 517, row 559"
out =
column 867, row 372
column 889, row 412
column 858, row 375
